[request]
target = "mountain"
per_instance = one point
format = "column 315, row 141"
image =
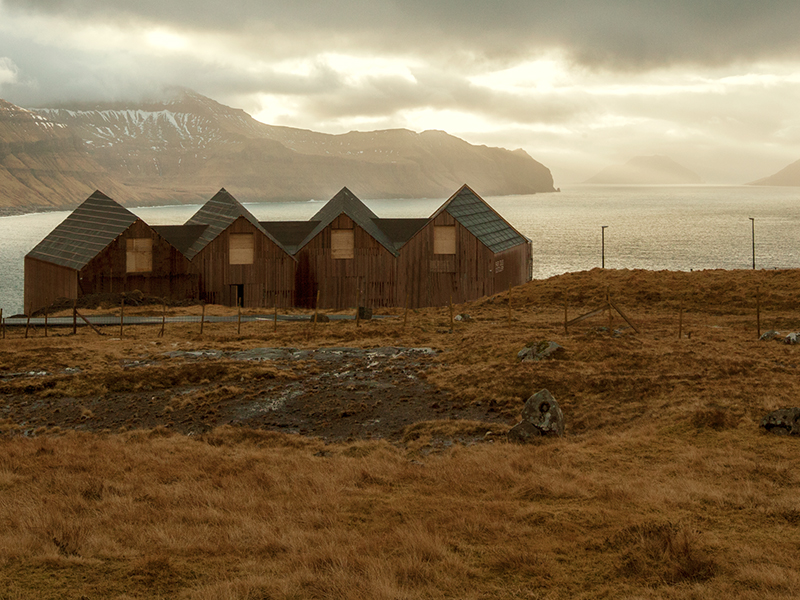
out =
column 185, row 148
column 647, row 170
column 43, row 164
column 788, row 176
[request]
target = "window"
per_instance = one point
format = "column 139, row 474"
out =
column 240, row 248
column 444, row 239
column 342, row 243
column 139, row 255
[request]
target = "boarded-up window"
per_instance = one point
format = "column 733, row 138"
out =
column 139, row 255
column 241, row 248
column 444, row 239
column 342, row 243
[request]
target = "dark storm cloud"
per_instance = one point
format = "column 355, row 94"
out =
column 615, row 34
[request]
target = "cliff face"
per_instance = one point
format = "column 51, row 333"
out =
column 43, row 164
column 185, row 149
column 788, row 176
column 647, row 170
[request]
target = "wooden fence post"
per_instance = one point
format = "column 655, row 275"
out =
column 85, row 320
column 45, row 321
column 316, row 310
column 758, row 310
column 27, row 326
column 239, row 321
column 75, row 317
column 275, row 320
column 163, row 320
column 202, row 318
column 610, row 320
column 451, row 312
column 121, row 315
column 358, row 305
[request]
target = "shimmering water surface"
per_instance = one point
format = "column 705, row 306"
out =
column 649, row 227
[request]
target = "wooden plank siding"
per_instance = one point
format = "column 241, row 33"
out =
column 170, row 275
column 45, row 283
column 267, row 282
column 432, row 279
column 372, row 269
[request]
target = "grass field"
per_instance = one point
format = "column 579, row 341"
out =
column 663, row 487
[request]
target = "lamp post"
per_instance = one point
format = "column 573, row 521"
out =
column 603, row 246
column 753, row 231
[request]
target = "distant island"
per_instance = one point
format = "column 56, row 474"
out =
column 184, row 148
column 788, row 176
column 646, row 170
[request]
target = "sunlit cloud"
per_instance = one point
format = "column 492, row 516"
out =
column 167, row 40
column 8, row 70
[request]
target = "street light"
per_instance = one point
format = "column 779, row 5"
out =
column 753, row 227
column 603, row 246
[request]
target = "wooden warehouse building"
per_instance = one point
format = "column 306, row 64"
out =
column 237, row 260
column 464, row 251
column 102, row 247
column 344, row 254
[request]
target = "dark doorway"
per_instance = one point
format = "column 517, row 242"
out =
column 237, row 290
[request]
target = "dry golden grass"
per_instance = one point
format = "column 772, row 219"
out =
column 663, row 488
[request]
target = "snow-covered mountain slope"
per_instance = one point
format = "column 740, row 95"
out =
column 189, row 146
column 43, row 164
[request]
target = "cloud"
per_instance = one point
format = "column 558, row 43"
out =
column 609, row 34
column 8, row 71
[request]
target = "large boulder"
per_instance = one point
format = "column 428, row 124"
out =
column 784, row 421
column 541, row 416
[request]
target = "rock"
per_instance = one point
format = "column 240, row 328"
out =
column 536, row 351
column 321, row 318
column 463, row 317
column 541, row 416
column 784, row 421
column 770, row 335
column 791, row 338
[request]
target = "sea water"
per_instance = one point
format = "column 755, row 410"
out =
column 647, row 227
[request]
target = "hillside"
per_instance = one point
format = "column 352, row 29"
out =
column 43, row 164
column 185, row 466
column 185, row 148
column 788, row 176
column 646, row 170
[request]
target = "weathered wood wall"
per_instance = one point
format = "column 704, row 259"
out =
column 268, row 282
column 372, row 270
column 45, row 283
column 170, row 277
column 431, row 279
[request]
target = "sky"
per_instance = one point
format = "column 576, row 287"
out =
column 578, row 84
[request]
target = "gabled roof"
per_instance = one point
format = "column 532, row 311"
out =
column 91, row 227
column 180, row 236
column 346, row 202
column 481, row 220
column 218, row 214
column 399, row 231
column 289, row 233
